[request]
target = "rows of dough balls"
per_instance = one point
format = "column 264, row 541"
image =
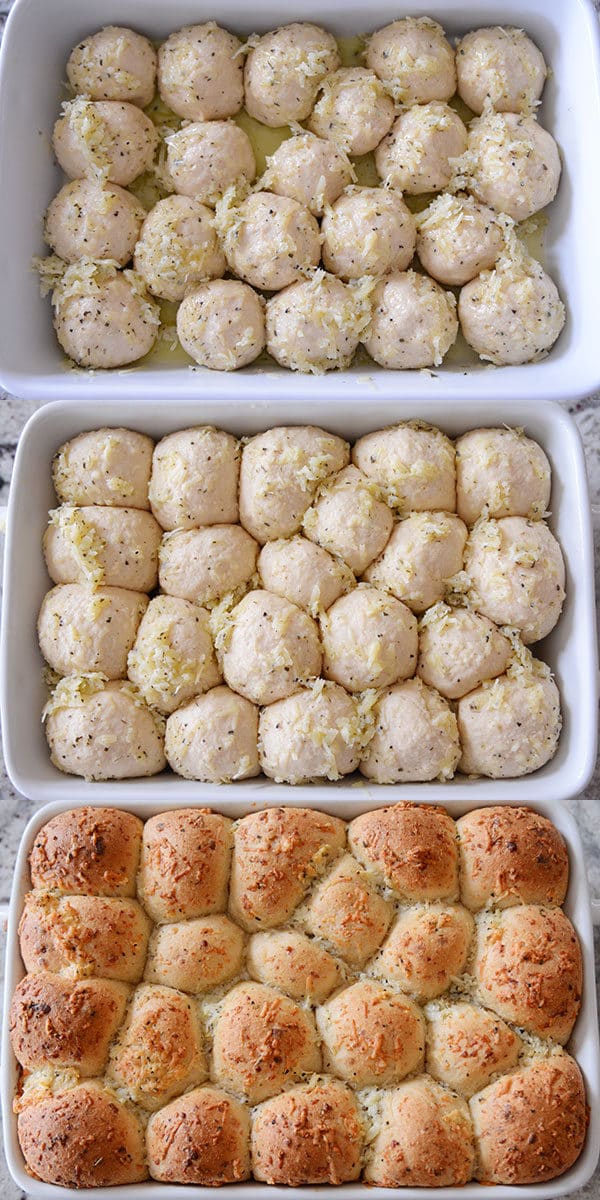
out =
column 323, row 610
column 502, row 168
column 236, row 998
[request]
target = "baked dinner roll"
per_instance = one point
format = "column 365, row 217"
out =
column 348, row 520
column 528, row 969
column 184, row 866
column 303, row 573
column 87, row 850
column 411, row 848
column 315, row 734
column 173, row 658
column 503, row 471
column 415, row 736
column 280, row 473
column 424, row 552
column 517, row 575
column 371, row 1036
column 103, row 730
column 203, row 564
column 369, row 640
column 75, row 936
column 64, row 1023
column 270, row 648
column 347, row 911
column 310, row 1134
column 202, row 1138
column 194, row 478
column 510, row 856
column 83, row 1138
column 84, row 629
column 425, row 1140
column 467, row 1046
column 105, row 466
column 426, row 949
column 159, row 1052
column 412, row 463
column 530, row 1126
column 102, row 546
column 294, row 963
column 195, row 956
column 262, row 1041
column 459, row 650
column 276, row 855
column 214, row 738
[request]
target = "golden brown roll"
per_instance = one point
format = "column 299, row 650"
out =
column 310, row 1134
column 65, row 1023
column 262, row 1041
column 195, row 956
column 467, row 1046
column 530, row 1126
column 184, row 866
column 88, row 850
column 83, row 1138
column 528, row 969
column 294, row 963
column 425, row 1139
column 348, row 912
column 426, row 948
column 412, row 848
column 202, row 1138
column 159, row 1052
column 276, row 855
column 511, row 856
column 372, row 1037
column 77, row 936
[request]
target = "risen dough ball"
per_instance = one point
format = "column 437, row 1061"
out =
column 369, row 231
column 348, row 913
column 511, row 856
column 288, row 1142
column 105, row 140
column 173, row 656
column 304, row 573
column 310, row 169
column 104, row 317
column 500, row 66
column 102, row 730
column 511, row 315
column 414, row 60
column 247, row 1057
column 281, row 471
column 416, row 156
column 207, row 157
column 509, row 727
column 517, row 574
column 409, row 848
column 426, row 949
column 159, row 1051
column 195, row 956
column 284, row 70
column 512, row 164
column 178, row 247
column 348, row 520
column 85, row 850
column 200, row 72
column 353, row 110
column 221, row 325
column 311, row 735
column 80, row 629
column 503, row 471
column 294, row 963
column 270, row 648
column 415, row 738
column 467, row 1046
column 83, row 936
column 195, row 478
column 369, row 640
column 425, row 1139
column 458, row 238
column 204, row 564
column 459, row 649
column 214, row 738
column 424, row 552
column 270, row 240
column 64, row 1022
column 97, row 545
column 202, row 1138
column 412, row 463
column 367, row 1015
column 315, row 326
column 170, row 885
column 106, row 466
column 90, row 220
column 413, row 322
column 114, row 64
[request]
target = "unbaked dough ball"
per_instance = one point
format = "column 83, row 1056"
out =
column 202, row 1138
column 214, row 738
column 221, row 325
column 315, row 326
column 104, row 140
column 103, row 730
column 200, row 72
column 512, row 314
column 369, row 640
column 280, row 473
column 513, row 164
column 195, row 956
column 159, row 1051
column 270, row 240
column 194, row 478
column 170, row 886
column 304, row 573
column 90, row 220
column 502, row 471
column 348, row 912
column 293, row 963
column 204, row 564
column 270, row 648
column 288, row 1142
column 500, row 66
column 412, row 463
column 207, row 157
column 173, row 656
column 413, row 322
column 105, row 466
column 368, row 231
column 244, row 1041
column 313, row 734
column 509, row 726
column 517, row 574
column 415, row 736
column 310, row 169
column 458, row 238
column 510, row 856
column 368, row 1015
column 114, row 64
column 459, row 650
column 424, row 552
column 426, row 949
column 425, row 1138
column 284, row 69
column 414, row 59
column 80, row 629
column 178, row 247
column 104, row 317
column 416, row 156
column 102, row 546
column 467, row 1046
column 348, row 520
column 353, row 110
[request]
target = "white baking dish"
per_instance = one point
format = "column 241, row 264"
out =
column 584, row 1043
column 36, row 45
column 570, row 650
